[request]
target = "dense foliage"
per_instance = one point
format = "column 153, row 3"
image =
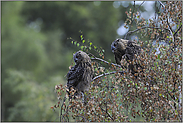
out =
column 39, row 38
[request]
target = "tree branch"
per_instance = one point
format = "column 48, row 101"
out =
column 170, row 29
column 104, row 74
column 134, row 17
column 106, row 113
column 95, row 58
column 177, row 30
column 146, row 27
column 162, row 4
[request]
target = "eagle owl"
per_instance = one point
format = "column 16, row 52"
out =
column 81, row 74
column 121, row 47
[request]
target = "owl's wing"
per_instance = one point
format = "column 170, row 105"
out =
column 131, row 49
column 74, row 75
column 118, row 58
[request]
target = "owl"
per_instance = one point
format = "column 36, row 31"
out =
column 121, row 47
column 81, row 74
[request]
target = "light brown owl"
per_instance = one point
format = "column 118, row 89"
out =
column 121, row 47
column 81, row 74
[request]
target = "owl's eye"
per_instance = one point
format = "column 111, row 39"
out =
column 76, row 56
column 115, row 45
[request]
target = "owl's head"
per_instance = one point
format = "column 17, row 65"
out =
column 81, row 57
column 118, row 45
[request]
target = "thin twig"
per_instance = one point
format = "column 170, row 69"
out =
column 61, row 108
column 179, row 116
column 82, row 117
column 162, row 4
column 95, row 58
column 146, row 27
column 177, row 30
column 134, row 17
column 106, row 112
column 104, row 74
column 170, row 29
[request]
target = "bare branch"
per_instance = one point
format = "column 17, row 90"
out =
column 106, row 113
column 162, row 4
column 146, row 27
column 95, row 58
column 104, row 74
column 177, row 30
column 171, row 31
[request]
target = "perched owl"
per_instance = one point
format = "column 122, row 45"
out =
column 81, row 74
column 121, row 47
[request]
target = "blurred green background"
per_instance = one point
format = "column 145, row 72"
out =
column 36, row 53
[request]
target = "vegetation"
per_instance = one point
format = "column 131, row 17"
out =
column 39, row 38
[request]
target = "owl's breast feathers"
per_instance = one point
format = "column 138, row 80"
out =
column 74, row 75
column 80, row 76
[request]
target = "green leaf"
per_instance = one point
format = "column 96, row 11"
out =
column 83, row 41
column 158, row 56
column 77, row 44
column 160, row 95
column 145, row 88
column 95, row 47
column 90, row 43
column 90, row 48
column 136, row 84
column 82, row 47
column 81, row 37
column 72, row 42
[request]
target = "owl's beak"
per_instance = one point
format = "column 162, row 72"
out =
column 113, row 48
column 75, row 60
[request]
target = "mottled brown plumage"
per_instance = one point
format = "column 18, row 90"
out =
column 81, row 74
column 121, row 47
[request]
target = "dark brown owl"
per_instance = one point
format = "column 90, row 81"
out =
column 121, row 47
column 81, row 74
